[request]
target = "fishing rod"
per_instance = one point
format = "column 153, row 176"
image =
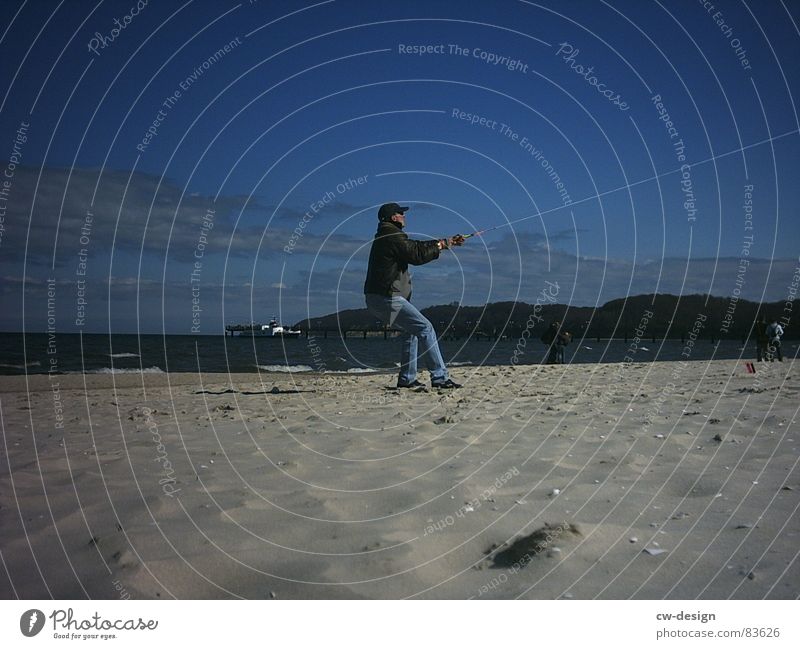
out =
column 497, row 227
column 480, row 232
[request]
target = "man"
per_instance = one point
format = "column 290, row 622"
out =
column 774, row 333
column 549, row 338
column 387, row 291
column 563, row 339
column 762, row 341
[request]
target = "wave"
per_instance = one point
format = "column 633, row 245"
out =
column 354, row 370
column 459, row 363
column 285, row 368
column 121, row 370
column 124, row 355
column 21, row 367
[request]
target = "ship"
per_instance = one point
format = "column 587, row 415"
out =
column 271, row 330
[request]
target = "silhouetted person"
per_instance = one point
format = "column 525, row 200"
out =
column 761, row 338
column 563, row 338
column 549, row 338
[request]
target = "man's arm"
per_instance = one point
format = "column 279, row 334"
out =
column 415, row 252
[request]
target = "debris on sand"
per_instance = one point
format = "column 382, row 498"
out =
column 140, row 412
column 654, row 552
column 521, row 551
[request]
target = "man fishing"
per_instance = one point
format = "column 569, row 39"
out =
column 387, row 291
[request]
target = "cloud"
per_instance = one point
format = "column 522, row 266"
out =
column 512, row 268
column 338, row 209
column 481, row 278
column 136, row 213
column 321, row 274
column 48, row 215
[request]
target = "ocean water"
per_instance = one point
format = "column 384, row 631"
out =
column 101, row 353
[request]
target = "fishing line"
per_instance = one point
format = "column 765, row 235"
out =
column 502, row 225
column 639, row 182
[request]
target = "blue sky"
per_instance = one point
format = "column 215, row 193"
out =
column 262, row 111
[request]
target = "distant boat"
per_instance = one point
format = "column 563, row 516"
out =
column 271, row 330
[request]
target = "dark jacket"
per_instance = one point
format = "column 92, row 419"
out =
column 761, row 331
column 550, row 334
column 392, row 252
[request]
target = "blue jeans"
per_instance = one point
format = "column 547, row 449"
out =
column 398, row 312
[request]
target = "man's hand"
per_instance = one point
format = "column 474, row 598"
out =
column 457, row 240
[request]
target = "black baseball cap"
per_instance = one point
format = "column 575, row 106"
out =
column 388, row 210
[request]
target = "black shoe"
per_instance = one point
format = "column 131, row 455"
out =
column 449, row 384
column 413, row 384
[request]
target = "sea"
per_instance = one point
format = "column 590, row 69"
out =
column 131, row 353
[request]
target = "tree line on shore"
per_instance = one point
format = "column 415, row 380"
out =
column 672, row 316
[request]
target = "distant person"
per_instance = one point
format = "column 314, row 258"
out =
column 387, row 292
column 774, row 333
column 761, row 338
column 563, row 338
column 549, row 339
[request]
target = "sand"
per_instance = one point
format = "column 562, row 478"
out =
column 648, row 480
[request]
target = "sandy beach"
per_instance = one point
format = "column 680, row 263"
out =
column 646, row 480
